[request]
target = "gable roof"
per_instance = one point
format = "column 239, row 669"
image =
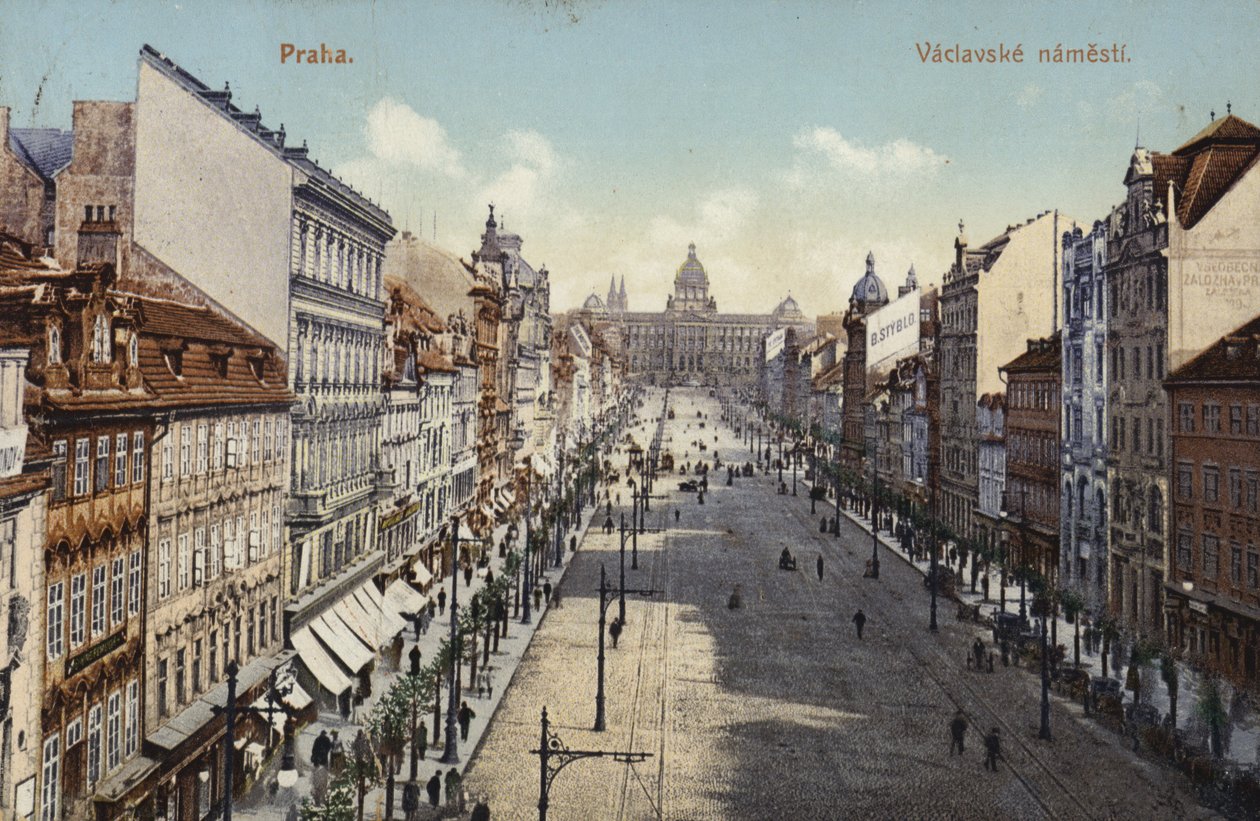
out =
column 1235, row 357
column 45, row 150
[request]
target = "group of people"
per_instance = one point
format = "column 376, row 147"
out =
column 455, row 796
column 992, row 740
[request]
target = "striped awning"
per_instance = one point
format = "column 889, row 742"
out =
column 321, row 665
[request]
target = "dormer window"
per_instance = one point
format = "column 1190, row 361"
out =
column 220, row 363
column 256, row 367
column 174, row 361
column 133, row 350
column 100, row 339
column 54, row 344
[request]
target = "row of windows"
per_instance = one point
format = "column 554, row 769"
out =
column 84, row 610
column 1243, row 420
column 1033, row 448
column 112, row 737
column 338, row 260
column 1078, row 301
column 1034, row 395
column 335, row 459
column 1133, row 357
column 1209, row 559
column 350, row 359
column 210, row 551
column 1243, row 486
column 1150, row 291
column 114, row 462
column 1154, row 439
column 1074, row 368
column 213, row 446
column 1074, row 424
column 178, row 681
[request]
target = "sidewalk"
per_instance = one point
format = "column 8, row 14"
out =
column 257, row 804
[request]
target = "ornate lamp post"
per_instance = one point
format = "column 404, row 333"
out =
column 287, row 776
column 605, row 599
column 554, row 755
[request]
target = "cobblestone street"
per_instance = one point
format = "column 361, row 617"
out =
column 777, row 710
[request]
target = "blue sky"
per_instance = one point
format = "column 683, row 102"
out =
column 785, row 138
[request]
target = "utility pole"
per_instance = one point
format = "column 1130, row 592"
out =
column 450, row 752
column 554, row 755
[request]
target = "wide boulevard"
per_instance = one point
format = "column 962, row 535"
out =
column 776, row 709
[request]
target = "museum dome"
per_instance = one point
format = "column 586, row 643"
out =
column 692, row 272
column 788, row 308
column 870, row 289
column 593, row 303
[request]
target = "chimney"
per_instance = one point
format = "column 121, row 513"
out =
column 99, row 243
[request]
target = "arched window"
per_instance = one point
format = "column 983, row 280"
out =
column 1101, row 502
column 133, row 350
column 1081, row 489
column 1155, row 511
column 100, row 339
column 54, row 344
column 1067, row 499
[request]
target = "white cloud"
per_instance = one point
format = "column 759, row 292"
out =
column 895, row 160
column 1143, row 97
column 397, row 134
column 1028, row 96
column 527, row 183
column 719, row 218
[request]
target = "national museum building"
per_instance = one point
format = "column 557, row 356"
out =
column 690, row 342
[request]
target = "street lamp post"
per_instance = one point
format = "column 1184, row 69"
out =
column 1023, row 572
column 527, row 584
column 287, row 776
column 793, row 471
column 930, row 492
column 874, row 518
column 450, row 753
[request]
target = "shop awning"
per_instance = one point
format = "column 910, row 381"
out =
column 421, row 572
column 374, row 603
column 321, row 665
column 366, row 627
column 403, row 598
column 298, row 699
column 466, row 534
column 337, row 637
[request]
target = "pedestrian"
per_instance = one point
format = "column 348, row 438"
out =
column 422, row 740
column 410, row 800
column 453, row 780
column 957, row 731
column 820, row 567
column 434, row 788
column 336, row 754
column 547, row 591
column 489, row 676
column 977, row 649
column 992, row 749
column 432, row 608
column 489, row 576
column 573, row 543
column 984, row 586
column 608, row 526
column 294, row 815
column 614, row 630
column 537, row 598
column 859, row 621
column 1006, row 653
column 320, row 749
column 555, row 597
column 822, row 526
column 468, row 573
column 466, row 715
column 676, row 515
column 481, row 684
column 442, row 601
column 480, row 811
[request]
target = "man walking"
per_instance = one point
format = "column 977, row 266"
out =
column 820, row 567
column 676, row 515
column 434, row 788
column 320, row 749
column 614, row 630
column 957, row 732
column 465, row 716
column 992, row 749
column 453, row 780
column 442, row 602
column 547, row 591
column 977, row 650
column 859, row 621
